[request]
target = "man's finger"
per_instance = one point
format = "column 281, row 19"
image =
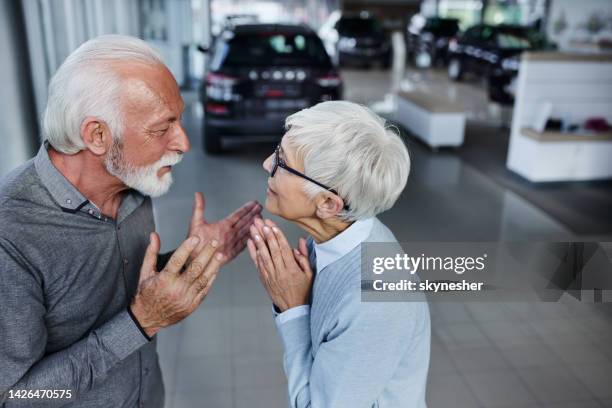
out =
column 198, row 265
column 199, row 297
column 210, row 272
column 248, row 218
column 243, row 232
column 149, row 263
column 238, row 238
column 234, row 217
column 237, row 248
column 181, row 255
column 199, row 205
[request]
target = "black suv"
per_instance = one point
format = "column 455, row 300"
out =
column 492, row 52
column 427, row 39
column 362, row 41
column 259, row 74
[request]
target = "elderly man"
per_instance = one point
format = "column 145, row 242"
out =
column 83, row 290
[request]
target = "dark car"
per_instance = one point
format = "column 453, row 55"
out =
column 492, row 52
column 427, row 39
column 258, row 75
column 362, row 41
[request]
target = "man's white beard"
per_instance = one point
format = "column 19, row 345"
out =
column 143, row 179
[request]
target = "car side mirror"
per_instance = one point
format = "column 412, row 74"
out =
column 203, row 48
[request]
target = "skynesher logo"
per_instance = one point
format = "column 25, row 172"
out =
column 459, row 264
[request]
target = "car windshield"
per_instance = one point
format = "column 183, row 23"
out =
column 445, row 27
column 274, row 48
column 514, row 40
column 356, row 27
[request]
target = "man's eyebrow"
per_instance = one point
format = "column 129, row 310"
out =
column 170, row 119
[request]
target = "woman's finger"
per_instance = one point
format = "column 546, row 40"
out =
column 285, row 248
column 303, row 262
column 264, row 253
column 275, row 251
column 252, row 251
column 258, row 223
column 263, row 273
column 257, row 237
column 303, row 247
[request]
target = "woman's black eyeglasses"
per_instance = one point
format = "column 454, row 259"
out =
column 279, row 162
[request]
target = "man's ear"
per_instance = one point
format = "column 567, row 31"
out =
column 328, row 205
column 96, row 136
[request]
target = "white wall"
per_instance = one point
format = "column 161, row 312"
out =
column 578, row 87
column 567, row 21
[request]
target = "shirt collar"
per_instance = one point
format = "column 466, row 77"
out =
column 68, row 197
column 63, row 192
column 330, row 251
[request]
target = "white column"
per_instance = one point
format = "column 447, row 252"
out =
column 18, row 117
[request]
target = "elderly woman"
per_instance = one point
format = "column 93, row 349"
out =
column 336, row 168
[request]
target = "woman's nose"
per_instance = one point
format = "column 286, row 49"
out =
column 267, row 164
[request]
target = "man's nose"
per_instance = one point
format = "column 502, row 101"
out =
column 180, row 141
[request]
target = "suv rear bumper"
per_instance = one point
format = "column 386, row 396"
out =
column 357, row 58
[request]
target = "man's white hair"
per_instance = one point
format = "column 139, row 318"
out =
column 349, row 148
column 86, row 85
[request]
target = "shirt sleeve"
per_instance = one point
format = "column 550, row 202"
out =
column 359, row 357
column 23, row 363
column 291, row 314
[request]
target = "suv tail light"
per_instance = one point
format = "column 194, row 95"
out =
column 216, row 108
column 331, row 79
column 220, row 87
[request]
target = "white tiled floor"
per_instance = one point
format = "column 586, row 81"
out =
column 227, row 354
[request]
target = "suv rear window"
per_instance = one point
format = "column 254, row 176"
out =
column 514, row 39
column 442, row 27
column 356, row 26
column 272, row 48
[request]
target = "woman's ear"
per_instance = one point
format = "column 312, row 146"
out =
column 328, row 205
column 96, row 136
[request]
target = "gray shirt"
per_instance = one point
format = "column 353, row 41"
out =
column 67, row 275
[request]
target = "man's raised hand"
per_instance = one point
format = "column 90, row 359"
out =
column 232, row 232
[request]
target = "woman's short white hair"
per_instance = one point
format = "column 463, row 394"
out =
column 86, row 85
column 349, row 148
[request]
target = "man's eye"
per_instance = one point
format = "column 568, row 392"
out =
column 162, row 131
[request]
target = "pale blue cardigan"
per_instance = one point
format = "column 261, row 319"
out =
column 353, row 354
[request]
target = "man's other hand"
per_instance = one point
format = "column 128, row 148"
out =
column 167, row 297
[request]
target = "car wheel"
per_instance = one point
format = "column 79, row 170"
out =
column 497, row 94
column 455, row 69
column 211, row 140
